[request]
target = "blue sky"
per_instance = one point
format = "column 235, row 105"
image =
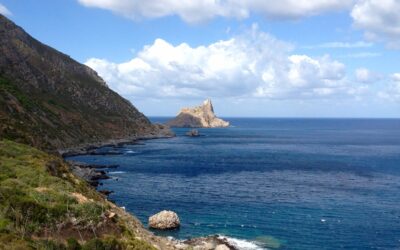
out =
column 253, row 58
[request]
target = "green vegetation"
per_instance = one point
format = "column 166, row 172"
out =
column 44, row 206
column 16, row 116
column 7, row 86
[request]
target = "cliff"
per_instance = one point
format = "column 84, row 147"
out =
column 202, row 116
column 50, row 101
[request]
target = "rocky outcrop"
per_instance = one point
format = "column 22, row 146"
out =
column 50, row 101
column 198, row 117
column 193, row 133
column 214, row 242
column 164, row 220
column 90, row 173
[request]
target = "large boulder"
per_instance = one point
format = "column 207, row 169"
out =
column 164, row 220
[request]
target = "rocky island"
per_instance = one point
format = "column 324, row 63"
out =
column 202, row 116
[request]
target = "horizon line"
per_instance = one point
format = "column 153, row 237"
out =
column 286, row 117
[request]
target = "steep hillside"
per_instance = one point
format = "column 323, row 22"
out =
column 44, row 206
column 50, row 101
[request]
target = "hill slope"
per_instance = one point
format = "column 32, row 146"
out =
column 50, row 101
column 44, row 206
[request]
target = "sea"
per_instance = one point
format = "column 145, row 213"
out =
column 268, row 183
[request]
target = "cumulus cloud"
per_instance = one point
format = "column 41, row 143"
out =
column 396, row 77
column 253, row 64
column 303, row 77
column 4, row 11
column 392, row 91
column 379, row 19
column 364, row 75
column 202, row 10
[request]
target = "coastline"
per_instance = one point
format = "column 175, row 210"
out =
column 93, row 176
column 161, row 132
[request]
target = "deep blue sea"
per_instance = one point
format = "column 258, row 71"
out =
column 270, row 183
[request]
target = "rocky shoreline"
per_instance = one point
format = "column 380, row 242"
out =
column 160, row 132
column 94, row 174
column 91, row 173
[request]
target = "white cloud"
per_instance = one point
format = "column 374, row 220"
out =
column 4, row 11
column 364, row 75
column 392, row 91
column 253, row 64
column 396, row 77
column 379, row 19
column 202, row 10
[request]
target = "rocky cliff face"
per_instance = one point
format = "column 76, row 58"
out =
column 50, row 101
column 198, row 117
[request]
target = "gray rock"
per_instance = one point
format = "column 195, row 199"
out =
column 193, row 133
column 213, row 242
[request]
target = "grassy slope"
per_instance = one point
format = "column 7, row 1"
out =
column 44, row 206
column 17, row 122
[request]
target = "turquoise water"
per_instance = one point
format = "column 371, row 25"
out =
column 278, row 183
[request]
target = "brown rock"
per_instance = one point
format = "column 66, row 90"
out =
column 222, row 247
column 164, row 220
column 198, row 117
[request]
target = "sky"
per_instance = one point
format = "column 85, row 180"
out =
column 254, row 58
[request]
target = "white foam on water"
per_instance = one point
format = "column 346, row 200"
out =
column 117, row 172
column 243, row 244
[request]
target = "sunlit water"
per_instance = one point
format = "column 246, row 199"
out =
column 276, row 183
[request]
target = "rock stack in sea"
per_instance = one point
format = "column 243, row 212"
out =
column 202, row 116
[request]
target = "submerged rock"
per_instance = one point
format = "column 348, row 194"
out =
column 193, row 133
column 164, row 220
column 198, row 117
